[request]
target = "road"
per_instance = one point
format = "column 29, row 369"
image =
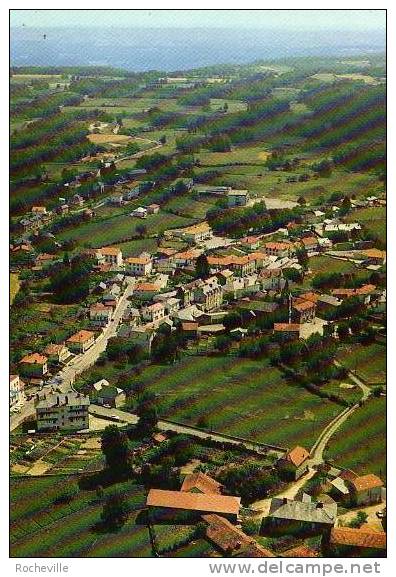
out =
column 132, row 419
column 365, row 389
column 81, row 362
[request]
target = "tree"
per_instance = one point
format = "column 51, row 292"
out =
column 222, row 343
column 301, row 201
column 162, row 139
column 345, row 206
column 359, row 520
column 141, row 230
column 202, row 268
column 115, row 512
column 115, row 449
column 147, row 413
column 302, row 257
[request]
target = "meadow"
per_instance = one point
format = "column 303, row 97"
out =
column 372, row 218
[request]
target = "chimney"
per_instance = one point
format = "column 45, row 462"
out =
column 57, row 400
column 284, row 500
column 319, row 505
column 66, row 400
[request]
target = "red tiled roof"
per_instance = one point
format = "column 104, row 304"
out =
column 53, row 349
column 366, row 482
column 110, row 250
column 229, row 538
column 312, row 297
column 287, row 327
column 34, row 359
column 189, row 326
column 202, row 482
column 193, row 501
column 358, row 538
column 277, row 245
column 138, row 260
column 297, row 456
column 147, row 286
column 81, row 337
column 301, row 551
column 302, row 305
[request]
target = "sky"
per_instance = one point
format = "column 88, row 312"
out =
column 359, row 20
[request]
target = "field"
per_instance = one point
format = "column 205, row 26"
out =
column 360, row 443
column 40, row 528
column 369, row 361
column 14, row 286
column 109, row 138
column 373, row 218
column 241, row 397
column 327, row 264
column 119, row 228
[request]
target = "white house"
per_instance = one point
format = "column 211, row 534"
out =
column 139, row 265
column 153, row 313
column 55, row 411
column 139, row 212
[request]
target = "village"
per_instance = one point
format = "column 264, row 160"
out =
column 221, row 294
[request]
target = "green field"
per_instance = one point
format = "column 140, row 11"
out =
column 327, row 264
column 368, row 361
column 39, row 528
column 360, row 443
column 373, row 218
column 241, row 397
column 14, row 286
column 120, row 228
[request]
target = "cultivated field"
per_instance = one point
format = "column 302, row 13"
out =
column 360, row 443
column 260, row 403
column 368, row 361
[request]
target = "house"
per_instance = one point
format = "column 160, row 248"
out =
column 63, row 209
column 39, row 210
column 365, row 490
column 81, row 341
column 201, row 483
column 153, row 209
column 287, row 331
column 146, row 290
column 375, row 256
column 100, row 315
column 153, row 313
column 116, row 200
column 109, row 396
column 192, row 234
column 139, row 212
column 34, row 365
column 169, row 504
column 349, row 542
column 327, row 303
column 237, row 198
column 311, row 244
column 139, row 335
column 300, row 551
column 294, row 464
column 57, row 353
column 187, row 258
column 171, row 305
column 303, row 311
column 56, row 411
column 272, row 279
column 209, row 295
column 16, row 390
column 250, row 242
column 77, row 200
column 112, row 255
column 139, row 265
column 280, row 249
column 230, row 540
column 306, row 516
column 190, row 329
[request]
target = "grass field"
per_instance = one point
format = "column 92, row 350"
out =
column 14, row 286
column 327, row 264
column 373, row 218
column 39, row 528
column 109, row 138
column 119, row 228
column 241, row 397
column 369, row 361
column 360, row 443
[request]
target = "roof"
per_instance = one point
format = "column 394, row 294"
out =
column 202, row 482
column 297, row 456
column 287, row 327
column 60, row 399
column 302, row 305
column 358, row 538
column 98, row 307
column 311, row 512
column 301, row 551
column 365, row 482
column 310, row 296
column 34, row 359
column 155, row 307
column 193, row 501
column 153, row 206
column 277, row 245
column 339, row 484
column 53, row 349
column 228, row 537
column 374, row 253
column 81, row 337
column 189, row 326
column 196, row 228
column 307, row 240
column 110, row 250
column 147, row 286
column 138, row 260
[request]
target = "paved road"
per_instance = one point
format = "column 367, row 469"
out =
column 80, row 362
column 130, row 418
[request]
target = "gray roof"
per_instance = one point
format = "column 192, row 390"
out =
column 69, row 399
column 310, row 512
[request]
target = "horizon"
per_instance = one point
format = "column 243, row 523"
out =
column 265, row 20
